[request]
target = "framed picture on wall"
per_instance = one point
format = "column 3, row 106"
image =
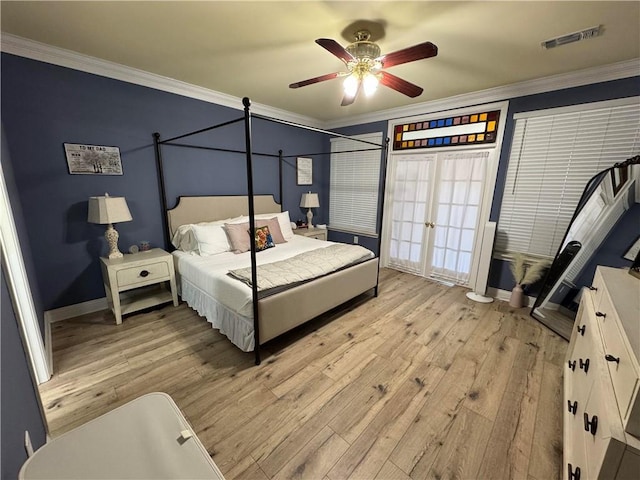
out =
column 92, row 159
column 304, row 171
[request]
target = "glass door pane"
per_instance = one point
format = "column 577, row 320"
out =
column 456, row 214
column 411, row 196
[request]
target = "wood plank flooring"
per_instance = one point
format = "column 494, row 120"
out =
column 419, row 382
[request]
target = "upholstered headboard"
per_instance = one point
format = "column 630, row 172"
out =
column 211, row 208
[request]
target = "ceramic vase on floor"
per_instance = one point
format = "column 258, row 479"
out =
column 517, row 297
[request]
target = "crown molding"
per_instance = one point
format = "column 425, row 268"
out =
column 66, row 58
column 614, row 71
column 24, row 47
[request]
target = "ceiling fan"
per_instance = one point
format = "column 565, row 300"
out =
column 365, row 66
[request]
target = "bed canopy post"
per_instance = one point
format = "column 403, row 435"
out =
column 385, row 153
column 252, row 229
column 280, row 161
column 161, row 186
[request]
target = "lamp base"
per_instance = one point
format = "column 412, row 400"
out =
column 309, row 218
column 112, row 236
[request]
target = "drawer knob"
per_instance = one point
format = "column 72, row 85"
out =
column 581, row 329
column 584, row 365
column 573, row 407
column 572, row 365
column 590, row 426
column 611, row 358
column 593, row 289
column 600, row 314
column 573, row 474
column 144, row 273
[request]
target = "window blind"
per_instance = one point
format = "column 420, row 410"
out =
column 354, row 184
column 552, row 158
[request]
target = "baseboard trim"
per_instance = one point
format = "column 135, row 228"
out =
column 70, row 311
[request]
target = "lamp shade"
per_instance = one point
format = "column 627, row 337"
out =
column 105, row 210
column 309, row 200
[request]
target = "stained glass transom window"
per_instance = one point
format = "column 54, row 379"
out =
column 473, row 129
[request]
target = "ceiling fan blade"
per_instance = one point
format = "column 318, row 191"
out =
column 321, row 78
column 417, row 52
column 400, row 85
column 335, row 48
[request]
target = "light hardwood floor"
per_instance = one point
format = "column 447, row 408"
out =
column 419, row 382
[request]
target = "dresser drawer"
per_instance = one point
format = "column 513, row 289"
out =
column 579, row 365
column 603, row 451
column 137, row 276
column 619, row 360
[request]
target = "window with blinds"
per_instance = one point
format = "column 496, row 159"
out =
column 354, row 184
column 553, row 155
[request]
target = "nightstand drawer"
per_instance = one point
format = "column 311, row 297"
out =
column 136, row 276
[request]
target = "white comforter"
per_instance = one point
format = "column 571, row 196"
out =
column 209, row 274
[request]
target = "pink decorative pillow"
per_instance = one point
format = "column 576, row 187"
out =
column 239, row 237
column 274, row 229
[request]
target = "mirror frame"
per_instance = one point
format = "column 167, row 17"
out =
column 552, row 274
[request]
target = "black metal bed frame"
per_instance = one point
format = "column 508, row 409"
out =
column 248, row 152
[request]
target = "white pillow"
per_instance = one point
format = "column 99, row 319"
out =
column 183, row 238
column 212, row 239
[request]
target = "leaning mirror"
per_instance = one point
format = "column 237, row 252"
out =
column 604, row 225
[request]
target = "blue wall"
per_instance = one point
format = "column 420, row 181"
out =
column 20, row 409
column 44, row 106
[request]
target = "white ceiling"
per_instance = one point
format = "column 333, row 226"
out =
column 257, row 49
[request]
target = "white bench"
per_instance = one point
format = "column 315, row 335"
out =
column 147, row 438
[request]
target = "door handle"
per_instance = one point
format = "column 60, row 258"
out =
column 429, row 224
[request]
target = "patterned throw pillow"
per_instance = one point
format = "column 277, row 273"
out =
column 263, row 239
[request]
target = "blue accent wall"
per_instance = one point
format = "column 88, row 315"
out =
column 20, row 409
column 44, row 106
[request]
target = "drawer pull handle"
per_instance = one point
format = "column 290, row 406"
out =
column 611, row 358
column 572, row 365
column 573, row 475
column 144, row 273
column 573, row 407
column 600, row 314
column 593, row 289
column 584, row 365
column 590, row 426
column 582, row 329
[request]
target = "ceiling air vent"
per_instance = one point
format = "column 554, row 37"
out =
column 573, row 37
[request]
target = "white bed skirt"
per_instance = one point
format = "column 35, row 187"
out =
column 235, row 327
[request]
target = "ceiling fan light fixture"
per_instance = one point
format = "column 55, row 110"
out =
column 350, row 85
column 370, row 84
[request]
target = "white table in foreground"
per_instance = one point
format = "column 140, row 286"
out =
column 147, row 438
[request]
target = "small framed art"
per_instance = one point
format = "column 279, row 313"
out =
column 304, row 171
column 93, row 159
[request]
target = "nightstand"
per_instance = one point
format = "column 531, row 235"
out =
column 142, row 277
column 319, row 233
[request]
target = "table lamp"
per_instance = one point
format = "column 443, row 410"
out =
column 309, row 200
column 107, row 211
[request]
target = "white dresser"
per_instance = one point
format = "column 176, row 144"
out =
column 602, row 379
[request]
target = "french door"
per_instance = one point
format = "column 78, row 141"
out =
column 436, row 202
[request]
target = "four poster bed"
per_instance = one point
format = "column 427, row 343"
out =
column 244, row 287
